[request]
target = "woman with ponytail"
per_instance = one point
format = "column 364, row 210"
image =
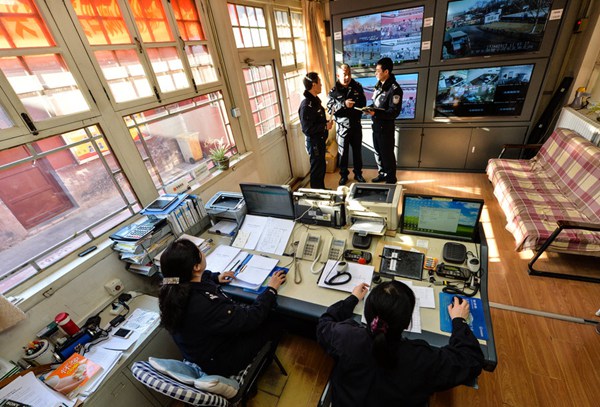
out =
column 210, row 329
column 376, row 366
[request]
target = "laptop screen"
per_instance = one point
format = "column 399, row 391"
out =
column 441, row 216
column 268, row 200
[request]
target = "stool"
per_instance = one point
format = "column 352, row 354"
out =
column 247, row 378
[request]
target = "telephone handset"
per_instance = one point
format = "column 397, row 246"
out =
column 308, row 247
column 334, row 249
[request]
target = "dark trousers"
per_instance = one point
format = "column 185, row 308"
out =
column 351, row 139
column 383, row 142
column 316, row 151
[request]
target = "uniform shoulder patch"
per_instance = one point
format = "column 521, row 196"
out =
column 396, row 99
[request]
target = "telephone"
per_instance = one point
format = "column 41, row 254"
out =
column 334, row 249
column 308, row 247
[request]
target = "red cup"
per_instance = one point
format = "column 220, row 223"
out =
column 65, row 322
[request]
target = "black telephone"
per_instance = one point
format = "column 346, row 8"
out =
column 355, row 255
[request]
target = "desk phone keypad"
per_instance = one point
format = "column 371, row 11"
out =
column 336, row 251
column 139, row 231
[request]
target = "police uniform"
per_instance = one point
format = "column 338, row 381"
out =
column 348, row 127
column 421, row 369
column 387, row 98
column 314, row 127
column 220, row 335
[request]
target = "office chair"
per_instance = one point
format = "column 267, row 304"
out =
column 247, row 378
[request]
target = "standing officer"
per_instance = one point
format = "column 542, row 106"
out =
column 387, row 103
column 315, row 127
column 343, row 98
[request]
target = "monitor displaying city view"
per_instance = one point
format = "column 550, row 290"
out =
column 407, row 81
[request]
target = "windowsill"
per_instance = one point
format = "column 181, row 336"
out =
column 218, row 175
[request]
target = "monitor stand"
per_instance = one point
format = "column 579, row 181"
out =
column 361, row 241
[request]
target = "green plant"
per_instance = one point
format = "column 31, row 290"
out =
column 218, row 151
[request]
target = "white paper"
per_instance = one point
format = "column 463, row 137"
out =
column 118, row 343
column 194, row 239
column 425, row 295
column 141, row 320
column 224, row 227
column 360, row 274
column 28, row 389
column 337, row 35
column 256, row 270
column 107, row 358
column 427, row 22
column 241, row 239
column 425, row 45
column 415, row 323
column 369, row 226
column 220, row 258
column 556, row 14
column 275, row 236
column 253, row 226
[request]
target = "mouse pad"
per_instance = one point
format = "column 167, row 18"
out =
column 476, row 320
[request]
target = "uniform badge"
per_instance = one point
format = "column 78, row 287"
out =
column 396, row 99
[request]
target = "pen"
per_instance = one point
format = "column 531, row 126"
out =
column 235, row 265
column 242, row 269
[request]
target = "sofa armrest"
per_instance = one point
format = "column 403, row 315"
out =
column 521, row 146
column 567, row 224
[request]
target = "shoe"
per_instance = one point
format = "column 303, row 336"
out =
column 379, row 178
column 343, row 181
column 360, row 178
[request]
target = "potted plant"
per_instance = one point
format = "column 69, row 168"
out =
column 217, row 154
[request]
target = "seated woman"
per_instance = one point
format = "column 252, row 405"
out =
column 210, row 329
column 375, row 366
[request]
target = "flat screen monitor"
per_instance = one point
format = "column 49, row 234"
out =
column 395, row 34
column 441, row 217
column 485, row 91
column 268, row 200
column 409, row 83
column 491, row 27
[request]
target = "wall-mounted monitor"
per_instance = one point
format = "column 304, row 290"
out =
column 480, row 92
column 493, row 28
column 395, row 34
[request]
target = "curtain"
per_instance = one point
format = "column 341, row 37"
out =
column 316, row 42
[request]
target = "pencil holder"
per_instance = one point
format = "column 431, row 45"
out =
column 43, row 354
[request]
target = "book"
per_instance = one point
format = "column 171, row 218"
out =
column 72, row 375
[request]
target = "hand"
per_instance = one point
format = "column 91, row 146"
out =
column 329, row 124
column 370, row 112
column 459, row 310
column 226, row 277
column 277, row 279
column 349, row 103
column 360, row 291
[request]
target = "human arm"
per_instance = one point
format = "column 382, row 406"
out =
column 313, row 124
column 328, row 326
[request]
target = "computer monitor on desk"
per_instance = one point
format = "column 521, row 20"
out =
column 441, row 217
column 268, row 200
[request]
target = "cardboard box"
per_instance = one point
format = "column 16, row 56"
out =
column 331, row 157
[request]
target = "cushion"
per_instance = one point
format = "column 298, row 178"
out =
column 191, row 374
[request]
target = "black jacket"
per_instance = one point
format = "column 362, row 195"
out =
column 336, row 105
column 217, row 332
column 388, row 97
column 312, row 117
column 420, row 370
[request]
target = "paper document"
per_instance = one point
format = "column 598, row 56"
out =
column 375, row 227
column 275, row 236
column 220, row 258
column 107, row 358
column 360, row 274
column 224, row 227
column 253, row 227
column 28, row 389
column 256, row 270
column 415, row 322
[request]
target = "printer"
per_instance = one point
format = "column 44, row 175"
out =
column 319, row 207
column 373, row 203
column 226, row 206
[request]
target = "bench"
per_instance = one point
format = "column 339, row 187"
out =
column 552, row 201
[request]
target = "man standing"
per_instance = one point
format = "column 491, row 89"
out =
column 387, row 103
column 343, row 98
column 315, row 127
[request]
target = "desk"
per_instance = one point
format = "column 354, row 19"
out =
column 308, row 301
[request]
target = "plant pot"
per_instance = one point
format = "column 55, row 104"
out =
column 222, row 164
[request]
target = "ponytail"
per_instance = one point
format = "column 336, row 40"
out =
column 173, row 302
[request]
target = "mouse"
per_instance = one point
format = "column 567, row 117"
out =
column 460, row 300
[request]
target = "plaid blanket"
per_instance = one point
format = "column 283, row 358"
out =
column 562, row 182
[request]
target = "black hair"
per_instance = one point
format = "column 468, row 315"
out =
column 309, row 79
column 392, row 303
column 386, row 64
column 178, row 260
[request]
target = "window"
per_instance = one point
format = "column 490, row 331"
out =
column 155, row 55
column 249, row 26
column 56, row 195
column 291, row 38
column 294, row 91
column 175, row 140
column 264, row 100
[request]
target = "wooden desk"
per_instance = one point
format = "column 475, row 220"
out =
column 309, row 301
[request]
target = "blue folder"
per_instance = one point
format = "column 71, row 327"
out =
column 264, row 285
column 476, row 321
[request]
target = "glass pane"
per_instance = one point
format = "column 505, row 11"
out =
column 260, row 17
column 22, row 26
column 283, row 25
column 50, row 201
column 294, row 90
column 241, row 12
column 5, row 120
column 168, row 69
column 102, row 23
column 201, row 64
column 300, row 51
column 251, row 17
column 124, row 73
column 188, row 21
column 180, row 137
column 233, row 15
column 44, row 85
column 151, row 20
column 263, row 98
column 286, row 52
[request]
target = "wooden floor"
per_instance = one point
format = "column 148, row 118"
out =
column 542, row 361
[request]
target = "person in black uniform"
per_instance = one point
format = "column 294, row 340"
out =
column 375, row 366
column 343, row 98
column 210, row 329
column 387, row 103
column 315, row 127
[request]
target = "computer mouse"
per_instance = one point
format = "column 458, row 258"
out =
column 460, row 300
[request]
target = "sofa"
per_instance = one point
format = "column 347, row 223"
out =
column 552, row 201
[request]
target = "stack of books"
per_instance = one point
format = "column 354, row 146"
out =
column 182, row 211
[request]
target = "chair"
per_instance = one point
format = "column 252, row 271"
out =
column 247, row 378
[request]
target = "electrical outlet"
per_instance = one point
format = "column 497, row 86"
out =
column 114, row 286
